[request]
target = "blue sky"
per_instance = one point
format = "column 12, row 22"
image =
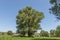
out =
column 9, row 9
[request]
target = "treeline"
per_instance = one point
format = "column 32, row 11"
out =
column 52, row 33
column 6, row 33
column 43, row 33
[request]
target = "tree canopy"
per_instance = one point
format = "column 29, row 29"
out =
column 44, row 33
column 52, row 33
column 55, row 9
column 28, row 20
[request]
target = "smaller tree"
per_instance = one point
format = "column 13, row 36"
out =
column 52, row 33
column 9, row 32
column 44, row 33
column 58, row 31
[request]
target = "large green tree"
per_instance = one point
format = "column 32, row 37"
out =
column 55, row 9
column 28, row 20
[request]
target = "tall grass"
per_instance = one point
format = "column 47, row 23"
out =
column 27, row 38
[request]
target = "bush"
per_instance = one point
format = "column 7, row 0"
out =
column 2, row 33
column 9, row 32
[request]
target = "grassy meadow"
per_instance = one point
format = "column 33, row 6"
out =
column 27, row 38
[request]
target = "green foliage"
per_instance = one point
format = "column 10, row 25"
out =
column 28, row 20
column 55, row 9
column 9, row 32
column 55, row 33
column 58, row 31
column 17, row 31
column 52, row 33
column 52, row 1
column 44, row 33
column 36, row 35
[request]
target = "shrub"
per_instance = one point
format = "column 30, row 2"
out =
column 9, row 32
